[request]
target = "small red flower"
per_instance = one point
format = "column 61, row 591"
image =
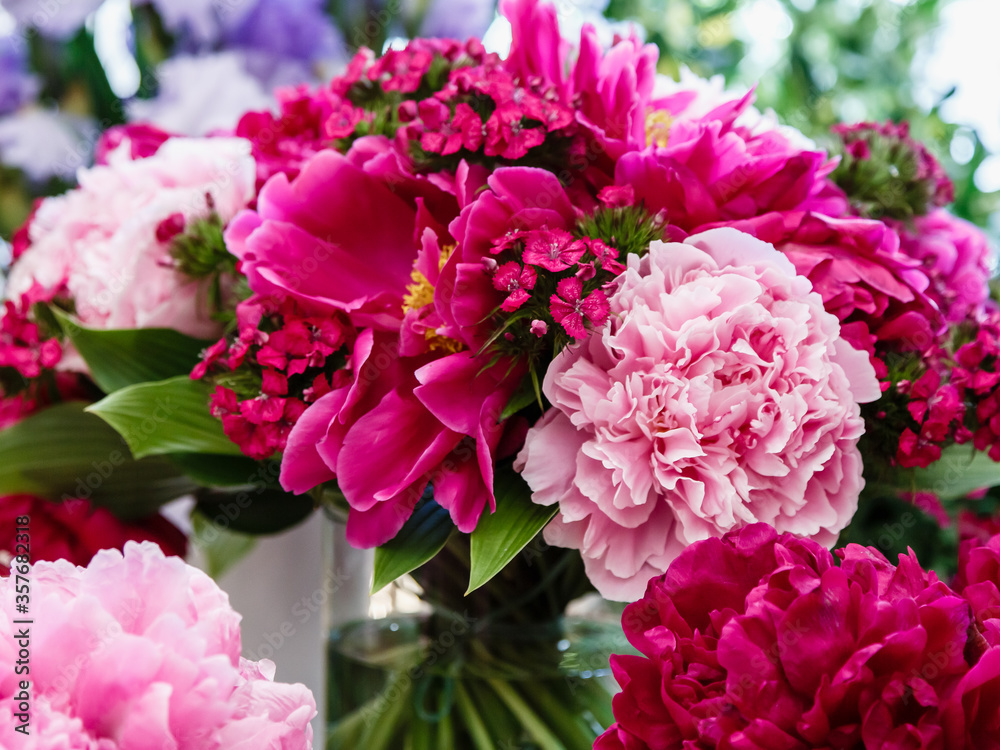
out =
column 517, row 281
column 569, row 308
column 553, row 250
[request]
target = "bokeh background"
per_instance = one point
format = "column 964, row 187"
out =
column 70, row 68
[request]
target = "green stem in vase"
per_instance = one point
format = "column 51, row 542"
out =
column 419, row 735
column 446, row 734
column 470, row 717
column 529, row 720
column 568, row 726
column 381, row 729
column 501, row 722
column 597, row 699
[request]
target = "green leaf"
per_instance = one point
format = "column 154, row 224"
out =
column 255, row 509
column 500, row 536
column 119, row 358
column 214, row 470
column 959, row 471
column 220, row 547
column 422, row 537
column 170, row 416
column 63, row 453
column 523, row 397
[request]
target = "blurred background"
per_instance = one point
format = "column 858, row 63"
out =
column 70, row 68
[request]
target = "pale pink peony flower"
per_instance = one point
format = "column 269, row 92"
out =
column 99, row 244
column 718, row 394
column 141, row 651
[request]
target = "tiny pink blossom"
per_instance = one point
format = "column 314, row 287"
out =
column 518, row 281
column 569, row 309
column 553, row 250
column 539, row 327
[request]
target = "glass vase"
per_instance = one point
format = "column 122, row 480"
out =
column 512, row 666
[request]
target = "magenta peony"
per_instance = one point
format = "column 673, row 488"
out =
column 103, row 247
column 141, row 651
column 718, row 394
column 760, row 641
column 957, row 259
column 724, row 166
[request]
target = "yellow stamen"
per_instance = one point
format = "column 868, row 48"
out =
column 658, row 124
column 420, row 294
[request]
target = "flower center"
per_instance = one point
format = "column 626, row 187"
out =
column 658, row 127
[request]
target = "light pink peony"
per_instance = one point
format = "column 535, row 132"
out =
column 98, row 243
column 718, row 394
column 141, row 651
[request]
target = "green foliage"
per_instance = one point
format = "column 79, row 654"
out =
column 169, row 416
column 501, row 535
column 63, row 453
column 421, row 538
column 123, row 357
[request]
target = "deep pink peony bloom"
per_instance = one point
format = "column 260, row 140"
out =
column 75, row 530
column 340, row 236
column 956, row 256
column 718, row 394
column 611, row 88
column 874, row 289
column 98, row 244
column 139, row 651
column 403, row 422
column 713, row 169
column 516, row 199
column 760, row 640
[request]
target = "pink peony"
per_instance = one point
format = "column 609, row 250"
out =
column 956, row 257
column 141, row 651
column 760, row 640
column 143, row 141
column 99, row 245
column 75, row 530
column 339, row 236
column 856, row 266
column 403, row 422
column 718, row 394
column 712, row 169
column 611, row 88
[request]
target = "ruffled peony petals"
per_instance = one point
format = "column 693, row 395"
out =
column 713, row 398
column 302, row 466
column 141, row 651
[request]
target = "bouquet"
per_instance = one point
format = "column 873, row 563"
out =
column 533, row 326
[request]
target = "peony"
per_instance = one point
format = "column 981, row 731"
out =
column 874, row 289
column 761, row 640
column 718, row 394
column 100, row 245
column 724, row 166
column 139, row 651
column 75, row 530
column 956, row 257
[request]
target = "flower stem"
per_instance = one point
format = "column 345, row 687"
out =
column 473, row 723
column 529, row 720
